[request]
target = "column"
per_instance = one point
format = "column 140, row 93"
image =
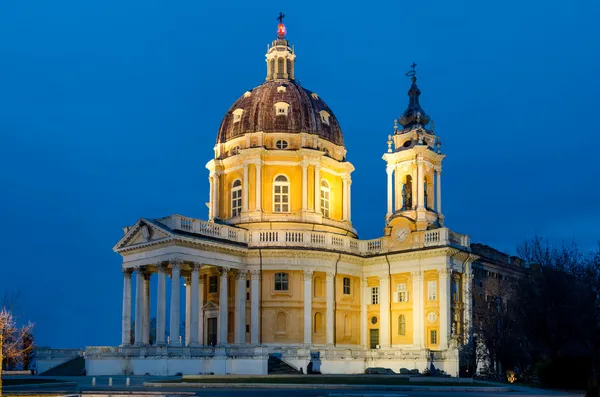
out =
column 438, row 191
column 364, row 321
column 418, row 309
column 329, row 338
column 467, row 299
column 161, row 305
column 126, row 319
column 420, row 187
column 445, row 278
column 240, row 308
column 304, row 187
column 349, row 200
column 223, row 307
column 345, row 198
column 139, row 305
column 146, row 314
column 254, row 309
column 317, row 188
column 193, row 329
column 201, row 309
column 390, row 172
column 175, row 305
column 258, row 187
column 215, row 200
column 308, row 276
column 384, row 311
column 211, row 197
column 398, row 186
column 245, row 190
column 188, row 309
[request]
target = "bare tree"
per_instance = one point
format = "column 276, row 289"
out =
column 11, row 339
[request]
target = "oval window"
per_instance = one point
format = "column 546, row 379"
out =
column 373, row 320
column 281, row 144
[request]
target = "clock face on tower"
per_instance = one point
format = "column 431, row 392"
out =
column 401, row 234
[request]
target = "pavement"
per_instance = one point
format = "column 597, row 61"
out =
column 83, row 385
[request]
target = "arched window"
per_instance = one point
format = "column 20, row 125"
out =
column 236, row 198
column 325, row 199
column 281, row 194
column 318, row 323
column 272, row 68
column 401, row 325
column 281, row 323
column 280, row 62
column 425, row 195
column 407, row 193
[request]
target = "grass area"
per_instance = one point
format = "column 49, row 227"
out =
column 28, row 381
column 322, row 380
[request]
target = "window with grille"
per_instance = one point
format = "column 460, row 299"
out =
column 281, row 194
column 374, row 295
column 402, row 292
column 433, row 337
column 432, row 290
column 212, row 284
column 281, row 144
column 325, row 198
column 281, row 281
column 346, row 285
column 402, row 325
column 236, row 198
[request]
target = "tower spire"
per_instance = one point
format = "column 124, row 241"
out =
column 414, row 115
column 280, row 55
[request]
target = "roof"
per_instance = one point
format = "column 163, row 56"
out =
column 259, row 113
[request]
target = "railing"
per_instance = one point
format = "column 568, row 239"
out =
column 305, row 238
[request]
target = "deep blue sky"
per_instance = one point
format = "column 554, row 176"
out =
column 109, row 111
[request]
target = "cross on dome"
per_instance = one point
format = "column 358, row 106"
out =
column 281, row 27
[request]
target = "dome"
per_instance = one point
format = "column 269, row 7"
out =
column 280, row 105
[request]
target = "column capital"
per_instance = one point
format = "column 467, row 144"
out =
column 162, row 267
column 241, row 274
column 417, row 273
column 384, row 278
column 147, row 275
column 444, row 272
column 438, row 169
column 196, row 266
column 223, row 271
column 127, row 272
column 390, row 169
column 364, row 282
column 304, row 165
column 175, row 262
column 255, row 274
column 308, row 274
column 329, row 276
column 187, row 279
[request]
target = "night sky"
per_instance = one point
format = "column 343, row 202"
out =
column 109, row 111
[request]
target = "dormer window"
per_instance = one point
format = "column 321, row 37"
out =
column 235, row 150
column 324, row 117
column 281, row 144
column 237, row 115
column 281, row 108
column 281, row 88
column 314, row 95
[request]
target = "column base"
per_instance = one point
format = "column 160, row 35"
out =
column 160, row 344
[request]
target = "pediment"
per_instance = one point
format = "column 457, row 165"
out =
column 142, row 232
column 210, row 305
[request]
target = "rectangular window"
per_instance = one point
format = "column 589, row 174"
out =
column 325, row 202
column 433, row 337
column 281, row 281
column 432, row 290
column 247, row 328
column 282, row 198
column 247, row 296
column 346, row 285
column 374, row 295
column 212, row 284
column 236, row 201
column 402, row 292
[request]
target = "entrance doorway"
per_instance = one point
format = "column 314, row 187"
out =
column 211, row 331
column 373, row 338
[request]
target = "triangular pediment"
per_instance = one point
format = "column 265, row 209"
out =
column 210, row 305
column 142, row 232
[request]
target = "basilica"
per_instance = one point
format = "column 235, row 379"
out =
column 277, row 270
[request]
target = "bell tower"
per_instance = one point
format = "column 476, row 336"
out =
column 414, row 168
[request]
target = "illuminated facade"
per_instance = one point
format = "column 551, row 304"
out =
column 277, row 269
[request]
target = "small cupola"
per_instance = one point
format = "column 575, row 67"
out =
column 414, row 115
column 280, row 55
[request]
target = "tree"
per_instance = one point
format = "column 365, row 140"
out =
column 12, row 337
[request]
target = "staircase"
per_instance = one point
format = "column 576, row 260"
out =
column 73, row 367
column 276, row 366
